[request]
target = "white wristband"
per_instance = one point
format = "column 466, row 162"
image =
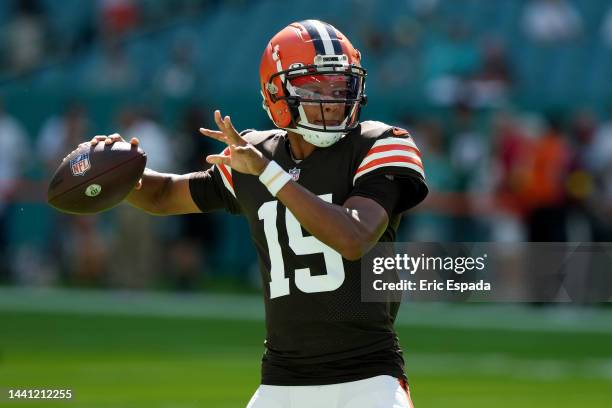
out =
column 274, row 177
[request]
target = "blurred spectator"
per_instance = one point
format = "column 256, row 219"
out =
column 60, row 134
column 510, row 155
column 192, row 147
column 601, row 152
column 447, row 63
column 13, row 147
column 580, row 183
column 495, row 64
column 112, row 70
column 606, row 28
column 84, row 35
column 406, row 32
column 179, row 77
column 138, row 254
column 429, row 135
column 86, row 250
column 582, row 131
column 470, row 157
column 551, row 21
column 468, row 147
column 81, row 249
column 399, row 68
column 603, row 206
column 434, row 226
column 599, row 160
column 117, row 16
column 492, row 82
column 25, row 36
column 191, row 246
column 545, row 189
column 374, row 39
column 13, row 150
column 424, row 8
column 153, row 137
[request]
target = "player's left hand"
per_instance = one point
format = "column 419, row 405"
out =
column 243, row 156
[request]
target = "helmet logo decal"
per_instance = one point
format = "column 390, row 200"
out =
column 271, row 88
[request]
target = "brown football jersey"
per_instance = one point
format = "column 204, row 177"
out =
column 318, row 329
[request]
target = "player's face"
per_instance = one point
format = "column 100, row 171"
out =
column 332, row 115
column 327, row 88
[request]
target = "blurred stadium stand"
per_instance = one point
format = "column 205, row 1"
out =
column 464, row 76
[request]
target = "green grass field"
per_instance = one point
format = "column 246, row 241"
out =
column 179, row 362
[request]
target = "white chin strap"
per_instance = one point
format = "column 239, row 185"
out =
column 319, row 139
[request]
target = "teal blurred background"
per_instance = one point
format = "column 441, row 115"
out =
column 510, row 102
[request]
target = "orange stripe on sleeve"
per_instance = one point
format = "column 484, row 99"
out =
column 390, row 159
column 226, row 174
column 386, row 148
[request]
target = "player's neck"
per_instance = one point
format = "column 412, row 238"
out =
column 300, row 149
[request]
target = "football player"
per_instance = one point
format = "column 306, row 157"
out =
column 319, row 191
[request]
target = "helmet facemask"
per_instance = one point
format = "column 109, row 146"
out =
column 324, row 99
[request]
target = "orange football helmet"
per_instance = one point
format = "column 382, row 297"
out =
column 312, row 63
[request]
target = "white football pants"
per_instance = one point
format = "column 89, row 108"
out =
column 382, row 391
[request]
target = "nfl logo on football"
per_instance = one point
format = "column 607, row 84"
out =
column 294, row 173
column 80, row 164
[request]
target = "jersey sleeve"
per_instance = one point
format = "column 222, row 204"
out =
column 392, row 173
column 396, row 155
column 394, row 194
column 213, row 189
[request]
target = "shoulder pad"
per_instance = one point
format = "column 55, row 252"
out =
column 246, row 131
column 387, row 150
column 399, row 132
column 372, row 129
column 256, row 137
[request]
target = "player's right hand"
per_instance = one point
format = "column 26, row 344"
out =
column 109, row 140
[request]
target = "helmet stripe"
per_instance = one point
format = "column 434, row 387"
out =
column 321, row 37
column 317, row 41
column 334, row 39
column 324, row 33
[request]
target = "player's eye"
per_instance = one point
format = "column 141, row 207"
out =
column 307, row 93
column 339, row 93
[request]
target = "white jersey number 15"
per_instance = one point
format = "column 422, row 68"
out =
column 301, row 245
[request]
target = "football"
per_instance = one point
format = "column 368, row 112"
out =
column 96, row 178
